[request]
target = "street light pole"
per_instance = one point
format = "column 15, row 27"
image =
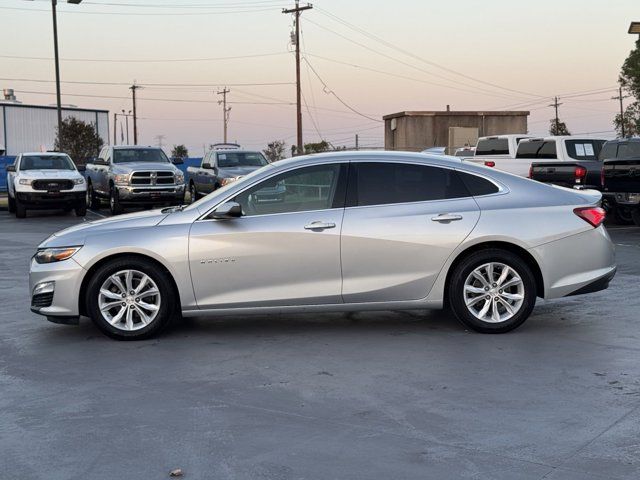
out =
column 57, row 62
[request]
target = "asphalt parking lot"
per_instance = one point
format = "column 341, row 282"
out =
column 363, row 396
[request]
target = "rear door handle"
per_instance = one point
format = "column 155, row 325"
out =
column 319, row 226
column 446, row 218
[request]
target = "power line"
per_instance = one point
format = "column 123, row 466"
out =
column 165, row 60
column 145, row 14
column 210, row 85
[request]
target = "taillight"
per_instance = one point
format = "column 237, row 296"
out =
column 489, row 164
column 580, row 173
column 530, row 172
column 593, row 215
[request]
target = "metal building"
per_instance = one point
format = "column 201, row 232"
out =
column 29, row 128
column 416, row 131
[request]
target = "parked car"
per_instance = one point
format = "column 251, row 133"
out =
column 133, row 175
column 544, row 150
column 222, row 165
column 355, row 231
column 45, row 181
column 621, row 177
column 466, row 152
column 496, row 147
column 584, row 172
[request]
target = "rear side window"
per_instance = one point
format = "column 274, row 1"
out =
column 389, row 183
column 493, row 146
column 608, row 151
column 583, row 149
column 629, row 150
column 477, row 185
column 537, row 149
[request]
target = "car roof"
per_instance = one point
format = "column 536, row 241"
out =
column 128, row 147
column 37, row 154
column 620, row 140
column 510, row 135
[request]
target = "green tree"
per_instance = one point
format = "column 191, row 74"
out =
column 275, row 150
column 79, row 139
column 179, row 151
column 629, row 80
column 558, row 129
column 319, row 147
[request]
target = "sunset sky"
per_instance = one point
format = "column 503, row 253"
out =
column 379, row 57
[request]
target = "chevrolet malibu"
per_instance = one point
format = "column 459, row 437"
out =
column 351, row 232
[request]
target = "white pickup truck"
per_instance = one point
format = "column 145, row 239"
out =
column 45, row 181
column 539, row 150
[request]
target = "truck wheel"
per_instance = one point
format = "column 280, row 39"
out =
column 130, row 298
column 93, row 202
column 635, row 214
column 114, row 201
column 193, row 193
column 492, row 291
column 623, row 215
column 81, row 208
column 21, row 210
column 12, row 204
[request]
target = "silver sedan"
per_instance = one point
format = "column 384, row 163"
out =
column 349, row 232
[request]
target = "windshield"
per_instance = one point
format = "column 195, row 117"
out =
column 46, row 162
column 126, row 155
column 241, row 159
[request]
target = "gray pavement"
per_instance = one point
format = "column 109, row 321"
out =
column 385, row 395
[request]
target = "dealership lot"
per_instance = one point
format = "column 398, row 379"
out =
column 366, row 395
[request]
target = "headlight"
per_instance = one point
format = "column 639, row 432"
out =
column 79, row 181
column 121, row 179
column 227, row 181
column 24, row 181
column 51, row 255
column 179, row 177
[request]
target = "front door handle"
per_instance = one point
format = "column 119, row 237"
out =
column 319, row 226
column 446, row 218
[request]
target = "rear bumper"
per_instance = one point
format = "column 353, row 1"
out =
column 48, row 200
column 601, row 283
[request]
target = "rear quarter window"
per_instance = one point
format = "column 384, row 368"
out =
column 583, row 149
column 476, row 185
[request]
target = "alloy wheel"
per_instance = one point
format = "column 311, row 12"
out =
column 494, row 292
column 129, row 300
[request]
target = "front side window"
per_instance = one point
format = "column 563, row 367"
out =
column 492, row 146
column 46, row 162
column 127, row 155
column 241, row 159
column 300, row 190
column 374, row 183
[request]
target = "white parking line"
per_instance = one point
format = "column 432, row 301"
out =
column 96, row 213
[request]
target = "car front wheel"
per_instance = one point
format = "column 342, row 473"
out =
column 492, row 291
column 130, row 299
column 81, row 208
column 114, row 202
column 92, row 200
column 20, row 209
column 12, row 204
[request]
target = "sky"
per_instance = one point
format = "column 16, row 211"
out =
column 361, row 60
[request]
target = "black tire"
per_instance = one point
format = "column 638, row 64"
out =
column 93, row 202
column 457, row 288
column 193, row 193
column 21, row 210
column 161, row 278
column 114, row 201
column 81, row 208
column 12, row 204
column 635, row 215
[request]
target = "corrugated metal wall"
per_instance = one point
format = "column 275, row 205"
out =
column 29, row 129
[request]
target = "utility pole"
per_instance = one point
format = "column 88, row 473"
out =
column 296, row 12
column 225, row 110
column 57, row 61
column 126, row 119
column 621, row 98
column 115, row 128
column 133, row 89
column 357, row 143
column 555, row 104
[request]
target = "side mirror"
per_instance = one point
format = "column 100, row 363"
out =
column 227, row 211
column 11, row 168
column 177, row 161
column 207, row 165
column 81, row 168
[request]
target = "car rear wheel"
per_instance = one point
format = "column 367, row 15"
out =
column 130, row 299
column 492, row 291
column 21, row 210
column 114, row 201
column 635, row 215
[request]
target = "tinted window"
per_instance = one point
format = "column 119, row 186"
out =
column 583, row 149
column 477, row 185
column 241, row 159
column 493, row 146
column 125, row 155
column 46, row 162
column 300, row 190
column 629, row 150
column 608, row 150
column 537, row 149
column 386, row 183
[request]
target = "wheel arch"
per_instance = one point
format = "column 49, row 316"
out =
column 529, row 259
column 82, row 297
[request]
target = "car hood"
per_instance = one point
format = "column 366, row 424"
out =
column 230, row 172
column 77, row 234
column 134, row 166
column 58, row 174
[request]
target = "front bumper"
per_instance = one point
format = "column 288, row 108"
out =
column 66, row 277
column 50, row 199
column 151, row 194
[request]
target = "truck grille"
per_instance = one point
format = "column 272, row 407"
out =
column 52, row 185
column 152, row 178
column 42, row 300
